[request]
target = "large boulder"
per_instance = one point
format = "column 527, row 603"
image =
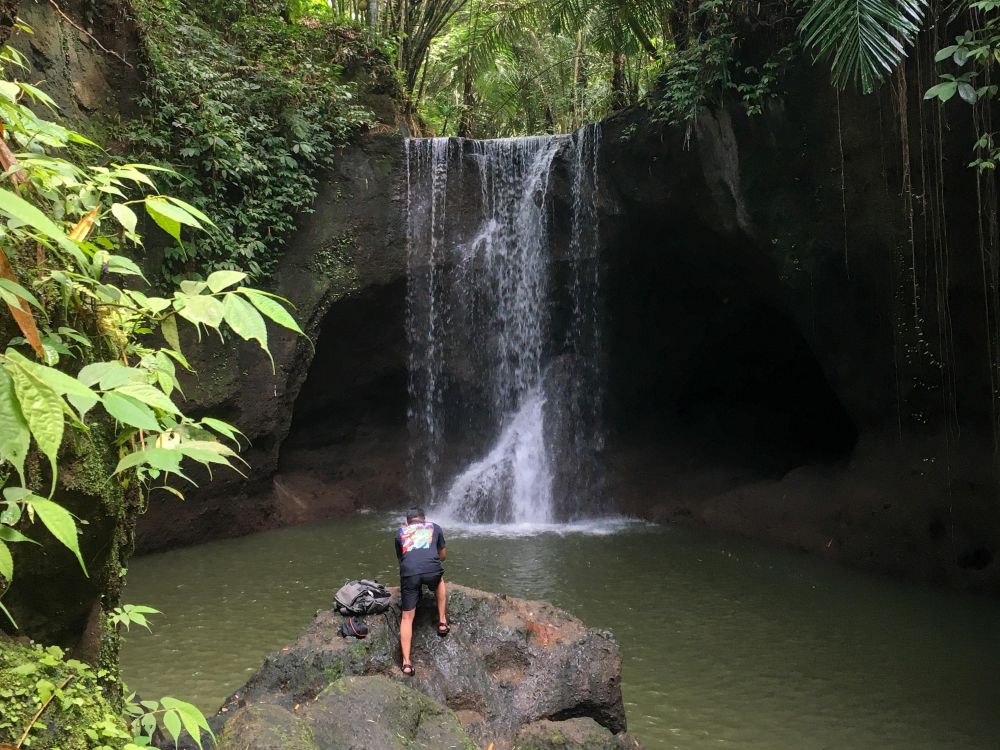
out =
column 507, row 663
column 362, row 712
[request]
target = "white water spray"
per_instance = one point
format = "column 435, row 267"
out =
column 482, row 262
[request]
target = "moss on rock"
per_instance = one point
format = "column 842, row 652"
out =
column 370, row 712
column 77, row 715
column 267, row 727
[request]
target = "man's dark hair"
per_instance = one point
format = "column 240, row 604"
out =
column 413, row 514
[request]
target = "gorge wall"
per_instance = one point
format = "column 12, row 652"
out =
column 800, row 354
column 796, row 348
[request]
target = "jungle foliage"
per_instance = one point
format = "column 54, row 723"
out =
column 505, row 67
column 86, row 352
column 247, row 101
column 245, row 107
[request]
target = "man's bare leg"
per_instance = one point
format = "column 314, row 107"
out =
column 441, row 594
column 406, row 634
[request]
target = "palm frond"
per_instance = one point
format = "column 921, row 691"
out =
column 862, row 40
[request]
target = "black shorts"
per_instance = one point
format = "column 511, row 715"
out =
column 410, row 586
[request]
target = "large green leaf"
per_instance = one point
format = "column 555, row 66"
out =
column 76, row 392
column 168, row 327
column 164, row 222
column 862, row 40
column 149, row 394
column 153, row 304
column 169, row 216
column 195, row 212
column 17, row 208
column 125, row 215
column 8, row 534
column 172, row 723
column 202, row 310
column 271, row 308
column 43, row 410
column 15, row 437
column 110, row 375
column 223, row 428
column 164, row 459
column 125, row 266
column 245, row 320
column 60, row 522
column 130, row 411
column 6, row 562
column 220, row 280
column 19, row 291
column 193, row 719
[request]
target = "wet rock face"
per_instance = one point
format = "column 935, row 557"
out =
column 344, row 270
column 573, row 437
column 572, row 734
column 507, row 664
column 81, row 78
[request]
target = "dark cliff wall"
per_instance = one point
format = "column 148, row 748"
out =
column 798, row 342
column 344, row 271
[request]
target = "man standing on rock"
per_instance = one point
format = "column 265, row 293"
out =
column 420, row 550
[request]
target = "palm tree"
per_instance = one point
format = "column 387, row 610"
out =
column 862, row 40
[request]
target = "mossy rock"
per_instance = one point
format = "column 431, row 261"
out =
column 267, row 727
column 507, row 663
column 79, row 716
column 353, row 712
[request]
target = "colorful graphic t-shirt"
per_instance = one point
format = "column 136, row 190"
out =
column 417, row 547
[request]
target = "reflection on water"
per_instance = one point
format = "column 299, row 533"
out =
column 724, row 644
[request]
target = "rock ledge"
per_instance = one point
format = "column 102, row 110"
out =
column 515, row 673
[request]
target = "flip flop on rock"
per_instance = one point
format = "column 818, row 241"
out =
column 443, row 629
column 408, row 670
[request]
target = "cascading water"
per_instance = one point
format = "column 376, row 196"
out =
column 503, row 326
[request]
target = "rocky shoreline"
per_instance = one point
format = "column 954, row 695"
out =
column 512, row 675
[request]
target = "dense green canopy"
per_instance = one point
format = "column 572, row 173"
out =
column 503, row 67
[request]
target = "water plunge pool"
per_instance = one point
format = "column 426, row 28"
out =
column 725, row 644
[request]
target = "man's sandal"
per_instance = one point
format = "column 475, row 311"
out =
column 443, row 629
column 408, row 670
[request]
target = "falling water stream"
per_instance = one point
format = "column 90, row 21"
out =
column 493, row 362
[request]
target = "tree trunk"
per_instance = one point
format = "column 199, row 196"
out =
column 619, row 97
column 373, row 15
column 468, row 104
column 579, row 80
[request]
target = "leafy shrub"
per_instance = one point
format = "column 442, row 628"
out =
column 75, row 715
column 247, row 119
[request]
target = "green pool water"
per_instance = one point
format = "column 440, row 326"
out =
column 726, row 644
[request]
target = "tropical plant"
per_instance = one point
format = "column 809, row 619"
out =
column 245, row 119
column 87, row 352
column 41, row 683
column 504, row 67
column 87, row 318
column 975, row 54
column 861, row 40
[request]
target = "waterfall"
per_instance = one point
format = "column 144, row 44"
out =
column 503, row 326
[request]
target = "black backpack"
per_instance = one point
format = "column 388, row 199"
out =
column 360, row 598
